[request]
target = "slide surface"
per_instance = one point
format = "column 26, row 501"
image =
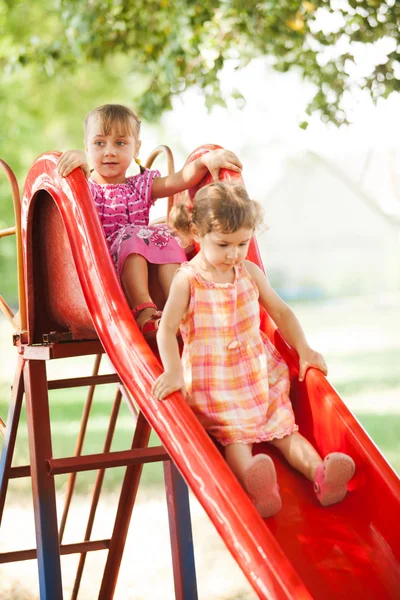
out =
column 350, row 550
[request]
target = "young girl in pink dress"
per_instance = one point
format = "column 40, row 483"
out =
column 112, row 142
column 232, row 376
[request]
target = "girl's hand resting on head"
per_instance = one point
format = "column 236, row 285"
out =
column 168, row 383
column 310, row 358
column 72, row 159
column 221, row 159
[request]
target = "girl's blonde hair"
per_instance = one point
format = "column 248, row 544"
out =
column 114, row 117
column 221, row 206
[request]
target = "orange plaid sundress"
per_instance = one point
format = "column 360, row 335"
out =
column 237, row 382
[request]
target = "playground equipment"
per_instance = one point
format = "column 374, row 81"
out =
column 71, row 304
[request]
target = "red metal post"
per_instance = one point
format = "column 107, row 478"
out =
column 180, row 528
column 43, row 490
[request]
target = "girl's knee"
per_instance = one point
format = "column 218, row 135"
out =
column 283, row 441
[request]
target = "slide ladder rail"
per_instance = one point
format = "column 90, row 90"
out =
column 18, row 322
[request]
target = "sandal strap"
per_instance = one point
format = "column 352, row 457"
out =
column 142, row 306
column 150, row 325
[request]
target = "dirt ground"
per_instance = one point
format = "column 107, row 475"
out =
column 146, row 571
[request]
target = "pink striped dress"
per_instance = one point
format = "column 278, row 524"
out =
column 124, row 210
column 237, row 382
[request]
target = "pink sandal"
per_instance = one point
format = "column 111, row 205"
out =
column 149, row 327
column 332, row 476
column 260, row 483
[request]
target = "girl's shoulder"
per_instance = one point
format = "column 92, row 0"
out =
column 187, row 269
column 253, row 273
column 144, row 175
column 250, row 268
column 182, row 279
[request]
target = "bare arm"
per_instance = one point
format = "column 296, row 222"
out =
column 178, row 300
column 286, row 322
column 194, row 172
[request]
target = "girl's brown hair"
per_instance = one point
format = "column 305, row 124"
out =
column 221, row 206
column 115, row 117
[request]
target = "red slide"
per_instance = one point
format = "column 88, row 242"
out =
column 350, row 550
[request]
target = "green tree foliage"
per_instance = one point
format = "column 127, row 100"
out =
column 175, row 44
column 41, row 109
column 59, row 58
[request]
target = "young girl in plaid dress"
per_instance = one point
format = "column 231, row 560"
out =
column 232, row 376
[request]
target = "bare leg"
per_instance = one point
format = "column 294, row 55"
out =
column 239, row 458
column 135, row 281
column 299, row 453
column 165, row 275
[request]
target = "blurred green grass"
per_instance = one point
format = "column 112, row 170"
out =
column 363, row 354
column 385, row 431
column 366, row 370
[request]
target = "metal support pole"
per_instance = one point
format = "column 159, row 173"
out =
column 180, row 528
column 43, row 490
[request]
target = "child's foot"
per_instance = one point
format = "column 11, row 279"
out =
column 147, row 317
column 332, row 476
column 260, row 483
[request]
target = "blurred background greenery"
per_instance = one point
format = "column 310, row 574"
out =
column 60, row 58
column 41, row 114
column 277, row 82
column 262, row 69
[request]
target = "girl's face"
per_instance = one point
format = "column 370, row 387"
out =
column 110, row 155
column 224, row 250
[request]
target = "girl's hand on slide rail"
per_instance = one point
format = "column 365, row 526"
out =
column 310, row 358
column 168, row 383
column 72, row 159
column 221, row 159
